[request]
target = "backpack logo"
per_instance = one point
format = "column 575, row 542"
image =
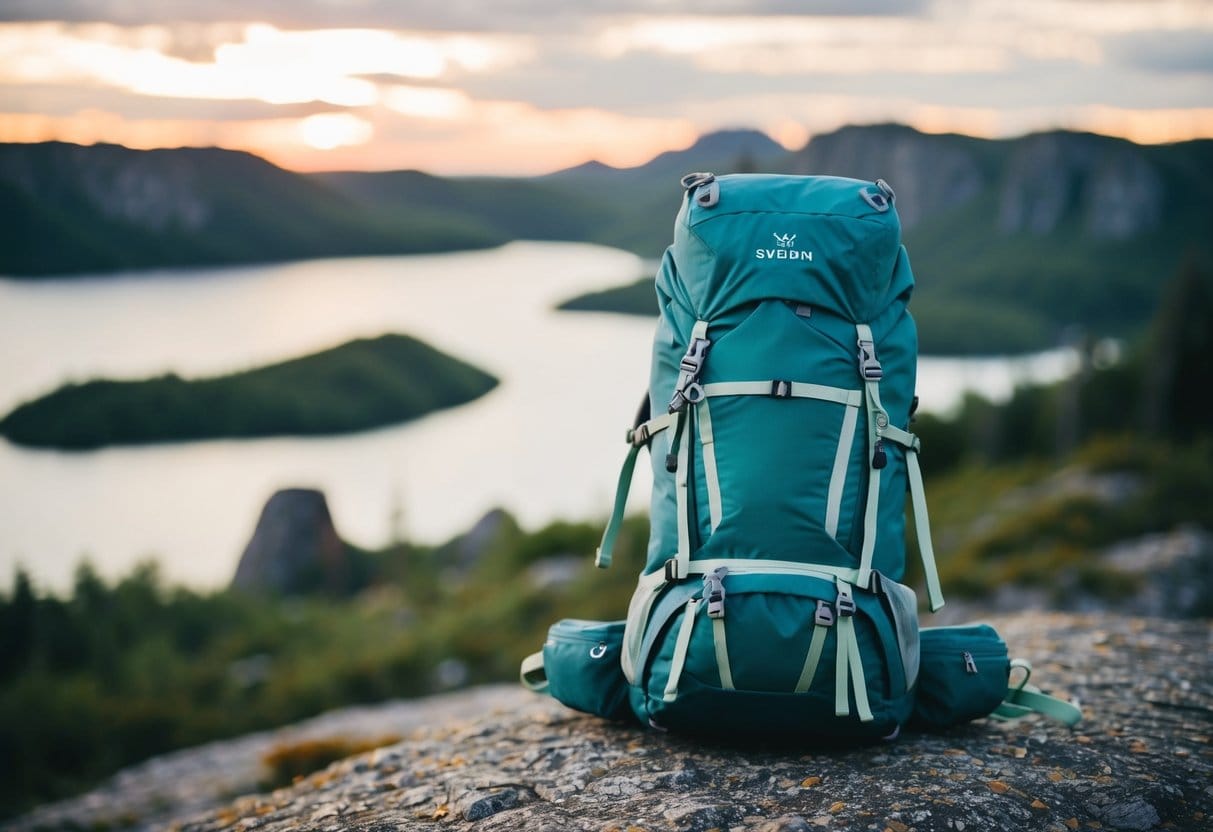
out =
column 785, row 249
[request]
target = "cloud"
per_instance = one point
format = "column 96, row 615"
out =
column 469, row 15
column 1166, row 52
column 549, row 83
column 264, row 63
column 68, row 99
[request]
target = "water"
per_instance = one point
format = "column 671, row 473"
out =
column 545, row 444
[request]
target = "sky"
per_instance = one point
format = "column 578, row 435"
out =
column 521, row 87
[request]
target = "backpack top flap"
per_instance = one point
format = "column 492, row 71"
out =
column 828, row 241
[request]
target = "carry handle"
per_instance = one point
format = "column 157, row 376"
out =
column 532, row 675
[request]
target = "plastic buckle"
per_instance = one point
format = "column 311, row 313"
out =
column 781, row 389
column 703, row 186
column 639, row 435
column 824, row 616
column 692, row 180
column 713, row 592
column 689, row 369
column 695, row 355
column 869, row 367
column 844, row 605
column 671, row 570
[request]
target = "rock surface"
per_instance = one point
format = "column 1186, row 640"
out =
column 295, row 547
column 498, row 758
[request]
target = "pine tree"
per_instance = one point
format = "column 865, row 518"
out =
column 1179, row 370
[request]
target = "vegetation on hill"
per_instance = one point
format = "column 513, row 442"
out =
column 1013, row 241
column 639, row 298
column 356, row 386
column 72, row 209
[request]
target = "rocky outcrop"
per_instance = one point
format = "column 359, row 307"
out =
column 931, row 174
column 151, row 190
column 461, row 554
column 1051, row 177
column 498, row 759
column 294, row 549
column 1039, row 183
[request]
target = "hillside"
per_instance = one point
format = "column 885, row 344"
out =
column 356, row 386
column 72, row 209
column 1014, row 242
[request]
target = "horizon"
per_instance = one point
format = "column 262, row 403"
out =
column 695, row 141
column 539, row 86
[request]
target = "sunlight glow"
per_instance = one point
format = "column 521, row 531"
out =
column 325, row 131
column 336, row 66
column 426, row 102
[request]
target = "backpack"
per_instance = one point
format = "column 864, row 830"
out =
column 771, row 604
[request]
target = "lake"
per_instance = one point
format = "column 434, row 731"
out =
column 545, row 444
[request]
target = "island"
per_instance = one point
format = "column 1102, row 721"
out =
column 635, row 298
column 362, row 384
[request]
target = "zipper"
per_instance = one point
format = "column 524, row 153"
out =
column 970, row 665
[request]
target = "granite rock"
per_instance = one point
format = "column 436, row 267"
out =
column 507, row 760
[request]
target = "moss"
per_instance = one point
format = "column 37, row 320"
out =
column 290, row 762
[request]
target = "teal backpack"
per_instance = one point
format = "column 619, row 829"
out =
column 783, row 376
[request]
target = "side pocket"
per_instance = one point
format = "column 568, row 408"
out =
column 582, row 662
column 903, row 604
column 963, row 675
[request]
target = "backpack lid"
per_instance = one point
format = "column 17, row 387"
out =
column 824, row 240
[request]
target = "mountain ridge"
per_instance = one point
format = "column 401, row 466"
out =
column 1013, row 240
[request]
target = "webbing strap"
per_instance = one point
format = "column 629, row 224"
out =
column 812, row 658
column 878, row 421
column 707, row 440
column 790, row 389
column 606, row 549
column 848, row 668
column 638, row 436
column 680, row 650
column 743, row 566
column 722, row 654
column 857, row 679
column 903, row 438
column 646, row 430
column 532, row 673
column 922, row 526
column 838, row 477
column 870, row 517
column 682, row 501
column 1030, row 700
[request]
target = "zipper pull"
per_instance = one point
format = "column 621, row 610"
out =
column 879, row 460
column 713, row 591
column 970, row 665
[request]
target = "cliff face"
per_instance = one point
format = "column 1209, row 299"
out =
column 1108, row 186
column 70, row 208
column 931, row 174
column 499, row 758
column 1108, row 189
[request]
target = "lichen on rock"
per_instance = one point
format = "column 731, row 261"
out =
column 1141, row 759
